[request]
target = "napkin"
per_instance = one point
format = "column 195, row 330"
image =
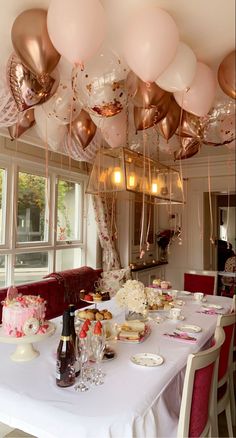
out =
column 209, row 312
column 182, row 336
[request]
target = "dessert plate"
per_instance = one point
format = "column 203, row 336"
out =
column 189, row 328
column 212, row 306
column 147, row 359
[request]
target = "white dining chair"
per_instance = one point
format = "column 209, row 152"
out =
column 225, row 374
column 197, row 417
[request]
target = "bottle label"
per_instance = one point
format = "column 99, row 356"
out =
column 65, row 338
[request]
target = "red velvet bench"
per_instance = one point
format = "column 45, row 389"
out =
column 59, row 289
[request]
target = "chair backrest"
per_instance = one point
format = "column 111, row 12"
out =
column 201, row 281
column 227, row 322
column 199, row 391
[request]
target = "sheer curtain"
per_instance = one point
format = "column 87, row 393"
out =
column 104, row 208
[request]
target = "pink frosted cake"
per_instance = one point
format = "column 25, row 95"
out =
column 23, row 315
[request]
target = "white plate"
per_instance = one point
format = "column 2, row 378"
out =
column 147, row 359
column 212, row 306
column 189, row 328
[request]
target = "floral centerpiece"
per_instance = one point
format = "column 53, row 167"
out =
column 136, row 298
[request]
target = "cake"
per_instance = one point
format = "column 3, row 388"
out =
column 23, row 315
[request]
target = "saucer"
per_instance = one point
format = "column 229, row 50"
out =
column 147, row 359
column 189, row 328
column 180, row 318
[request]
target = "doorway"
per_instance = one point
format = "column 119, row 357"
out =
column 222, row 230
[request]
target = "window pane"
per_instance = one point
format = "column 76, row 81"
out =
column 68, row 259
column 31, row 217
column 30, row 267
column 68, row 211
column 2, row 271
column 2, row 205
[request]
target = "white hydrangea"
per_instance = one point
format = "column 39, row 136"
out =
column 152, row 296
column 132, row 295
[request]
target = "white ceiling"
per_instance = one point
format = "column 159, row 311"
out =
column 207, row 26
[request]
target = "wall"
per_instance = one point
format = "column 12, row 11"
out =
column 190, row 255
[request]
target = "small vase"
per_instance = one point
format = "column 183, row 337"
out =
column 163, row 254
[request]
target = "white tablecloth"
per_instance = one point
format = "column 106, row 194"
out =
column 133, row 402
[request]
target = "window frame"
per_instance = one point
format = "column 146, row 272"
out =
column 11, row 247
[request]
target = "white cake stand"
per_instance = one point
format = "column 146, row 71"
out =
column 24, row 348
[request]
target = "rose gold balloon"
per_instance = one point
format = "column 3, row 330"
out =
column 32, row 44
column 170, row 123
column 26, row 120
column 25, row 89
column 146, row 118
column 144, row 95
column 189, row 147
column 226, row 75
column 190, row 126
column 83, row 129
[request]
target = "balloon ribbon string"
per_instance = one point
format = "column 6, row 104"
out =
column 199, row 219
column 15, row 195
column 149, row 205
column 227, row 223
column 46, row 174
column 210, row 202
column 141, row 250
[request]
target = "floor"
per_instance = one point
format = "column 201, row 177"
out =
column 8, row 432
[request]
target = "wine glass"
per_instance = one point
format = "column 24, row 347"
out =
column 82, row 351
column 97, row 346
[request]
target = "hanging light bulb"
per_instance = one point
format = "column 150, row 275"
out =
column 154, row 187
column 132, row 180
column 117, row 176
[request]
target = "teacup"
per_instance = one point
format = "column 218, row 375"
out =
column 173, row 293
column 175, row 313
column 198, row 296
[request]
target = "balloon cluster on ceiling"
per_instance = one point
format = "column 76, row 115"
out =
column 156, row 82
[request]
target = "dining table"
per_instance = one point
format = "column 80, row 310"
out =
column 134, row 401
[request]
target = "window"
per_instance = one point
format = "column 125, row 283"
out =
column 31, row 208
column 44, row 217
column 68, row 211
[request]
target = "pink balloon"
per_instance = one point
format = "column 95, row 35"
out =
column 76, row 28
column 114, row 129
column 150, row 42
column 199, row 97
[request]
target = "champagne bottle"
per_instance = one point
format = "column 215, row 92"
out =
column 72, row 310
column 65, row 371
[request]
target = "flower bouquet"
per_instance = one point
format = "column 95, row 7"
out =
column 136, row 299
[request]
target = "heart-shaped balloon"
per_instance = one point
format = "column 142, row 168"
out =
column 170, row 123
column 189, row 147
column 24, row 87
column 144, row 95
column 146, row 118
column 83, row 128
column 26, row 120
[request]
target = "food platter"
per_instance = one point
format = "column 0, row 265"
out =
column 142, row 338
column 25, row 350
